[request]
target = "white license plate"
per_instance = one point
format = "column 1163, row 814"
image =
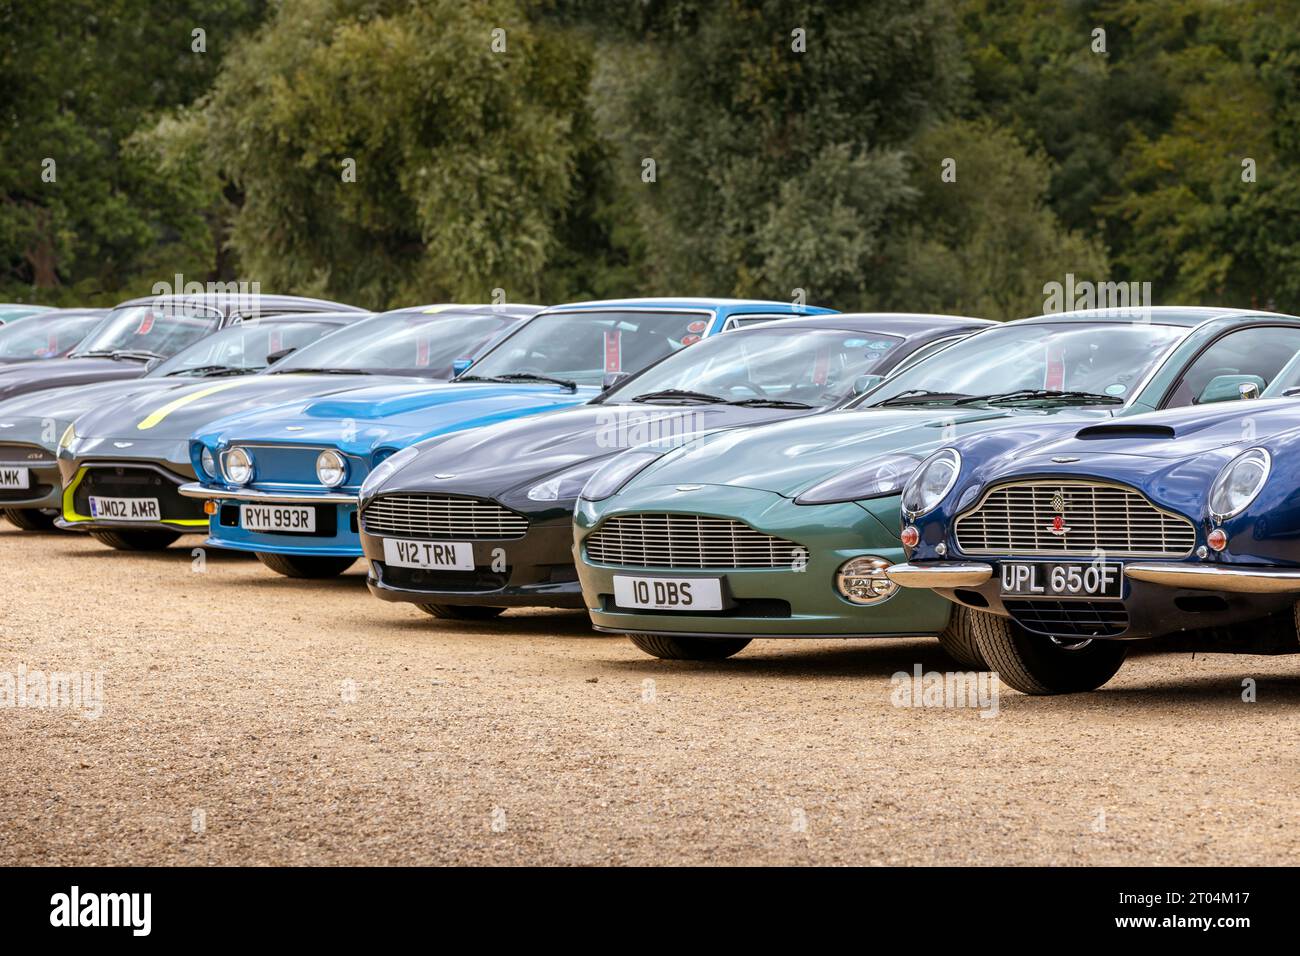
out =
column 442, row 555
column 1062, row 579
column 15, row 478
column 668, row 594
column 125, row 509
column 290, row 519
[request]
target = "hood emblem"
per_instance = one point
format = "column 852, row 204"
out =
column 443, row 476
column 1058, row 526
column 689, row 487
column 294, row 428
column 1064, row 459
column 123, row 444
column 1058, row 502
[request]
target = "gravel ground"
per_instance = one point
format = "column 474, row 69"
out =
column 248, row 719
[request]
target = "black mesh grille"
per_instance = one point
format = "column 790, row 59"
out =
column 1070, row 618
column 118, row 481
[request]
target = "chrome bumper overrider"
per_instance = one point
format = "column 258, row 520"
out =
column 1202, row 577
column 197, row 490
column 940, row 574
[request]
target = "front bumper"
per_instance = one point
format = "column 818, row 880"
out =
column 533, row 571
column 1156, row 597
column 768, row 602
column 44, row 482
column 128, row 479
column 336, row 533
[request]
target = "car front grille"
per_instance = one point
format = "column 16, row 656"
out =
column 430, row 516
column 122, row 481
column 1070, row 618
column 688, row 541
column 1022, row 518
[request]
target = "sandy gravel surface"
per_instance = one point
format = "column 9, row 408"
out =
column 248, row 719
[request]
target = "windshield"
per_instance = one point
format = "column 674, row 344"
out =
column 242, row 348
column 149, row 331
column 45, row 339
column 581, row 347
column 815, row 367
column 425, row 344
column 1102, row 358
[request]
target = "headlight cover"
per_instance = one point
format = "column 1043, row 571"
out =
column 237, row 465
column 69, row 437
column 931, row 482
column 1239, row 482
column 878, row 478
column 565, row 486
column 617, row 472
column 385, row 470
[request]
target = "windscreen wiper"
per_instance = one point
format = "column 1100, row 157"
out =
column 520, row 377
column 683, row 394
column 770, row 403
column 93, row 353
column 143, row 355
column 211, row 370
column 1043, row 395
column 920, row 396
column 320, row 371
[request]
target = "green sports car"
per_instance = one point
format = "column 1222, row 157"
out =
column 786, row 530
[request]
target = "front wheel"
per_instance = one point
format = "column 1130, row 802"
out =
column 136, row 540
column 1035, row 664
column 461, row 612
column 958, row 639
column 689, row 648
column 30, row 519
column 305, row 565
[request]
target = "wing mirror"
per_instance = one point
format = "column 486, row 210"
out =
column 865, row 383
column 273, row 357
column 611, row 379
column 461, row 366
column 1226, row 388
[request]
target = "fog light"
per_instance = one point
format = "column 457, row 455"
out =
column 863, row 580
column 1217, row 539
column 910, row 536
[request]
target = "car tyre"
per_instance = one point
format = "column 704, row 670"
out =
column 958, row 639
column 306, row 565
column 1035, row 664
column 689, row 648
column 461, row 612
column 29, row 519
column 136, row 540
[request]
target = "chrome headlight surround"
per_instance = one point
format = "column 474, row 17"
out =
column 331, row 468
column 863, row 580
column 237, row 466
column 208, row 463
column 931, row 482
column 1239, row 483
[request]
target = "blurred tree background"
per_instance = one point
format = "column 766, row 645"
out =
column 928, row 155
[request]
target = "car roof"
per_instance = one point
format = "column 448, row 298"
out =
column 905, row 324
column 231, row 302
column 72, row 312
column 1184, row 315
column 662, row 302
column 513, row 309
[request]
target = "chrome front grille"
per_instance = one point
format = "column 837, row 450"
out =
column 431, row 516
column 1021, row 518
column 688, row 541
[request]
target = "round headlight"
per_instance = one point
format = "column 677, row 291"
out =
column 208, row 463
column 238, row 466
column 931, row 482
column 331, row 469
column 1238, row 482
column 864, row 581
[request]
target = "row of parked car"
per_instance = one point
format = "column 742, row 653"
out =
column 697, row 473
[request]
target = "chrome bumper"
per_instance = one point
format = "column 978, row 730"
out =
column 1203, row 577
column 940, row 574
column 198, row 490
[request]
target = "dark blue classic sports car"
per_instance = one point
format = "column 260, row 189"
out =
column 1060, row 544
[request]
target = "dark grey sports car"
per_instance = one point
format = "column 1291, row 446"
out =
column 144, row 330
